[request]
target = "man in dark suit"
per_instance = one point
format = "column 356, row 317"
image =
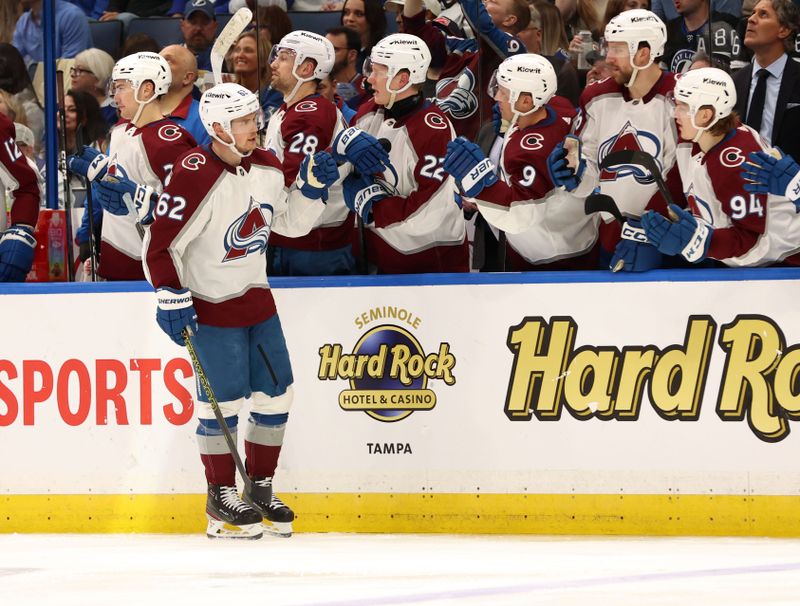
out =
column 768, row 89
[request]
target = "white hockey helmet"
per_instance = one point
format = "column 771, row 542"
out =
column 137, row 69
column 707, row 86
column 634, row 27
column 305, row 45
column 525, row 73
column 401, row 52
column 224, row 103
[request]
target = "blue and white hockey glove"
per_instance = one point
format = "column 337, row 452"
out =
column 634, row 252
column 121, row 196
column 360, row 194
column 361, row 149
column 89, row 163
column 765, row 173
column 317, row 173
column 686, row 236
column 176, row 312
column 471, row 169
column 17, row 246
column 558, row 165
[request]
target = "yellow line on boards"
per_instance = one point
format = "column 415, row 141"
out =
column 579, row 514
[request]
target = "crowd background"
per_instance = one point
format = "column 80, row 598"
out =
column 92, row 34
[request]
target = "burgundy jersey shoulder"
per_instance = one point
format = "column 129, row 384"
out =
column 665, row 84
column 367, row 107
column 164, row 142
column 428, row 127
column 311, row 115
column 194, row 173
column 724, row 163
column 607, row 86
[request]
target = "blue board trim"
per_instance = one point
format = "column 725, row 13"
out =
column 543, row 277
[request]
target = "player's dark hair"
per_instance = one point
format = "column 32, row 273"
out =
column 520, row 9
column 353, row 39
column 139, row 43
column 724, row 125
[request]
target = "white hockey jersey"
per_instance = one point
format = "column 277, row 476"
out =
column 210, row 234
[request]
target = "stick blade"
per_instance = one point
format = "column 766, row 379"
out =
column 227, row 37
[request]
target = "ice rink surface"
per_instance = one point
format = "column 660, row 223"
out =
column 316, row 569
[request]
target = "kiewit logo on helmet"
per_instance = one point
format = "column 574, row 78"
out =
column 643, row 19
column 712, row 81
column 529, row 70
column 404, row 42
column 216, row 96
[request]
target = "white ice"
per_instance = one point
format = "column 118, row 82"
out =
column 315, row 569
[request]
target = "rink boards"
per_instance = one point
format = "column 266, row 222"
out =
column 556, row 403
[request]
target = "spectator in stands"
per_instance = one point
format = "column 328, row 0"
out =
column 199, row 28
column 178, row 104
column 139, row 43
column 90, row 73
column 348, row 82
column 689, row 32
column 554, row 35
column 579, row 15
column 615, row 7
column 768, row 89
column 367, row 18
column 9, row 15
column 178, row 8
column 667, row 11
column 250, row 64
column 15, row 80
column 72, row 31
column 11, row 108
column 531, row 36
column 272, row 22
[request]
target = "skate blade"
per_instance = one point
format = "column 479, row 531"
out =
column 217, row 529
column 277, row 529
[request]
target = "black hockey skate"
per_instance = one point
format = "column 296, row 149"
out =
column 278, row 517
column 229, row 517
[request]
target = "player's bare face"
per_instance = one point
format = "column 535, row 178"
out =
column 684, row 121
column 377, row 80
column 619, row 62
column 244, row 56
column 124, row 97
column 283, row 79
column 354, row 17
column 245, row 132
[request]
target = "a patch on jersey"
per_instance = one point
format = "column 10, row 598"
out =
column 249, row 233
column 532, row 141
column 169, row 133
column 436, row 121
column 193, row 161
column 306, row 106
column 681, row 61
column 456, row 96
column 731, row 157
column 699, row 207
column 632, row 139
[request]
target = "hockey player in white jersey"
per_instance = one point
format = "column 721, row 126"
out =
column 724, row 221
column 546, row 227
column 305, row 123
column 631, row 110
column 142, row 150
column 205, row 256
column 413, row 222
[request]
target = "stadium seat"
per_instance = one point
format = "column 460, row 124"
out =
column 318, row 23
column 107, row 35
column 164, row 30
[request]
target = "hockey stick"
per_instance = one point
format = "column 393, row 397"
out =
column 602, row 203
column 89, row 210
column 62, row 160
column 212, row 399
column 227, row 37
column 639, row 158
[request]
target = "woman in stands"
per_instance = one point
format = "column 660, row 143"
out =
column 90, row 74
column 249, row 61
column 15, row 80
column 368, row 19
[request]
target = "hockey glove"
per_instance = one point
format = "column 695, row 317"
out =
column 176, row 312
column 634, row 252
column 89, row 163
column 361, row 149
column 562, row 174
column 472, row 170
column 500, row 125
column 119, row 195
column 17, row 246
column 766, row 174
column 360, row 194
column 686, row 236
column 317, row 173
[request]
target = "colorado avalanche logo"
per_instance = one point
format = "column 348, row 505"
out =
column 631, row 139
column 306, row 106
column 699, row 207
column 169, row 133
column 455, row 96
column 532, row 141
column 731, row 157
column 249, row 233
